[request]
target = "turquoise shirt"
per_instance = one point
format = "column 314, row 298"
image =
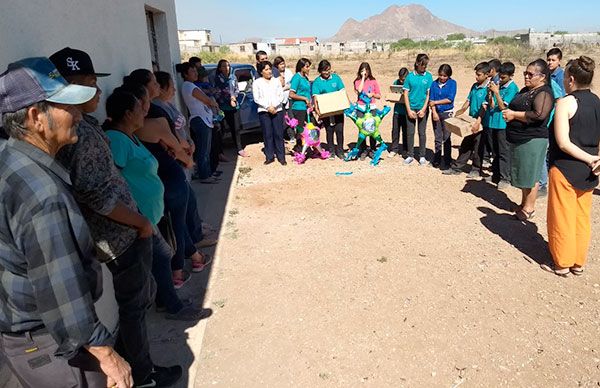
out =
column 140, row 170
column 477, row 96
column 399, row 109
column 322, row 86
column 507, row 92
column 417, row 85
column 300, row 85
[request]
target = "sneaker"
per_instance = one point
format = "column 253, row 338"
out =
column 206, row 242
column 451, row 171
column 162, row 376
column 422, row 161
column 392, row 154
column 189, row 313
column 331, row 156
column 502, row 185
column 474, row 174
column 340, row 155
column 409, row 160
column 179, row 282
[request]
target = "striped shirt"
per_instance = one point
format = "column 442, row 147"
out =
column 49, row 277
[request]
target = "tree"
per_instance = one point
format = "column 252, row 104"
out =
column 561, row 32
column 456, row 36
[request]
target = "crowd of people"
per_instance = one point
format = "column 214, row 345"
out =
column 76, row 193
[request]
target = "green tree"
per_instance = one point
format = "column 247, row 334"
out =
column 457, row 36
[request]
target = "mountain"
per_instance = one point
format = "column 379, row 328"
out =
column 397, row 22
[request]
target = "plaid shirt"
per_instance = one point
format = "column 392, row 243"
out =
column 48, row 274
column 98, row 186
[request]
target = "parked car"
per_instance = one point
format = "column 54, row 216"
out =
column 245, row 75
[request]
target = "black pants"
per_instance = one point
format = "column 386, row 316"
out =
column 30, row 356
column 272, row 127
column 334, row 125
column 469, row 149
column 134, row 292
column 216, row 146
column 443, row 144
column 398, row 125
column 501, row 155
column 232, row 121
column 411, row 127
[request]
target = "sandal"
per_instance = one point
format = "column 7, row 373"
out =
column 179, row 282
column 577, row 271
column 199, row 266
column 524, row 215
column 562, row 272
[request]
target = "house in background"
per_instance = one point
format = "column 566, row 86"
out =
column 297, row 47
column 195, row 41
column 546, row 40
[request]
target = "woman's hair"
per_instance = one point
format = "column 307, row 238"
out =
column 581, row 69
column 445, row 69
column 138, row 77
column 323, row 65
column 220, row 63
column 403, row 72
column 163, row 78
column 422, row 59
column 301, row 63
column 543, row 68
column 278, row 60
column 182, row 68
column 194, row 60
column 138, row 91
column 366, row 66
column 507, row 68
column 260, row 66
column 117, row 105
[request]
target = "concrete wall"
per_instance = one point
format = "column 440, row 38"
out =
column 113, row 32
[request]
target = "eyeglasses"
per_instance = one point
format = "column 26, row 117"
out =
column 530, row 74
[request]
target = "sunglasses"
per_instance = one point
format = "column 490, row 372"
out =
column 530, row 74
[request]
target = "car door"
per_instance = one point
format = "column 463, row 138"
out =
column 248, row 109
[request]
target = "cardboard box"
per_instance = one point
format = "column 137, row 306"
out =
column 334, row 103
column 461, row 125
column 395, row 94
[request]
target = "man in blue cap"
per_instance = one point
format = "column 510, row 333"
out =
column 50, row 334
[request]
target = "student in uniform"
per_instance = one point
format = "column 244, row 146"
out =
column 441, row 102
column 399, row 119
column 300, row 96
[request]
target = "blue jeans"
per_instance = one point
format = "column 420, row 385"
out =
column 134, row 292
column 202, row 136
column 544, row 173
column 272, row 128
column 161, row 270
column 193, row 220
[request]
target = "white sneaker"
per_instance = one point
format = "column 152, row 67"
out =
column 391, row 154
column 422, row 161
column 409, row 160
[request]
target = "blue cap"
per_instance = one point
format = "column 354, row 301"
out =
column 32, row 80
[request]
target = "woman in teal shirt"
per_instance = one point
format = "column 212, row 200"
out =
column 328, row 82
column 300, row 95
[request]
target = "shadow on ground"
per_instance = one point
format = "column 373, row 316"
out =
column 488, row 192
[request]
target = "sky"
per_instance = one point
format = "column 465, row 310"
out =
column 234, row 20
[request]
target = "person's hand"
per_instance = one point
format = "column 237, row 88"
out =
column 233, row 102
column 432, row 104
column 412, row 114
column 370, row 95
column 493, row 87
column 421, row 113
column 475, row 127
column 434, row 115
column 594, row 163
column 363, row 74
column 145, row 230
column 271, row 110
column 508, row 115
column 116, row 369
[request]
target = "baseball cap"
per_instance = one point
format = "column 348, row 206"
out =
column 32, row 80
column 70, row 61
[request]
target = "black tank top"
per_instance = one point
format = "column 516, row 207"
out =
column 584, row 132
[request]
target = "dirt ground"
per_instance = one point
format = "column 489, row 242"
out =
column 393, row 276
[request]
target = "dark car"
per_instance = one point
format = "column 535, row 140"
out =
column 245, row 75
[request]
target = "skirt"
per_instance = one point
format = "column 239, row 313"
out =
column 527, row 160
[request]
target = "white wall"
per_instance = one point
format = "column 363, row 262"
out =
column 113, row 32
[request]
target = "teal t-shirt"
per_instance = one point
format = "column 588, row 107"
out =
column 322, row 86
column 417, row 85
column 477, row 96
column 300, row 85
column 140, row 170
column 399, row 109
column 507, row 92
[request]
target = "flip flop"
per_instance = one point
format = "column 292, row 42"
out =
column 524, row 215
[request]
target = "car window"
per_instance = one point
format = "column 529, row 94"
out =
column 244, row 77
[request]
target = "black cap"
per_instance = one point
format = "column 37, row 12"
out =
column 70, row 61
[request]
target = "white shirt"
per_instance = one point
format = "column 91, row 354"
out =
column 287, row 76
column 267, row 93
column 196, row 107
